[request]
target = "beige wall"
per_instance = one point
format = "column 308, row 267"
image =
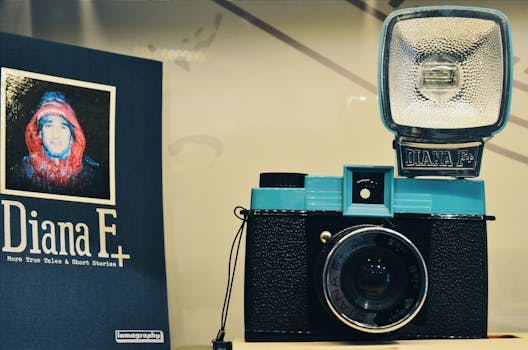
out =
column 238, row 101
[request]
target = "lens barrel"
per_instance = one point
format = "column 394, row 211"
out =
column 374, row 279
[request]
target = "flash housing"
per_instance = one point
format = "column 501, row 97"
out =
column 444, row 92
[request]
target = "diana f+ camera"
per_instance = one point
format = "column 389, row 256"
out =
column 371, row 255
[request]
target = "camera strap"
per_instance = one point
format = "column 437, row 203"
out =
column 218, row 343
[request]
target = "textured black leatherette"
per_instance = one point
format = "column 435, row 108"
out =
column 281, row 302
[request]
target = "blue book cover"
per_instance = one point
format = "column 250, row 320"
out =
column 82, row 261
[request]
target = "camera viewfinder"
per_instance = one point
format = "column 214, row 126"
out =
column 368, row 191
column 368, row 188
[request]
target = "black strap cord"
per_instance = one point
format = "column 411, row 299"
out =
column 218, row 343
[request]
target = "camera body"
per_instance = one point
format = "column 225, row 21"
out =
column 365, row 256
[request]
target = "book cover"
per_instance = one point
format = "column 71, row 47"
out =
column 82, row 261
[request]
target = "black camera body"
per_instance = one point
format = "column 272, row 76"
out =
column 325, row 263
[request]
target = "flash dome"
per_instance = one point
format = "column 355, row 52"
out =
column 444, row 86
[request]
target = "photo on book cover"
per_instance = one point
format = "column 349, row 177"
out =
column 57, row 138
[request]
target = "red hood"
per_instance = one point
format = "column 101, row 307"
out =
column 47, row 168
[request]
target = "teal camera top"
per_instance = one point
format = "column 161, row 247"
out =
column 400, row 195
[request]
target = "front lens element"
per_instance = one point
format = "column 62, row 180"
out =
column 374, row 279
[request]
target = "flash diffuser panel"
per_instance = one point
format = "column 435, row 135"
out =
column 445, row 71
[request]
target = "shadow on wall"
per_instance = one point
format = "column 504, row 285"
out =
column 56, row 18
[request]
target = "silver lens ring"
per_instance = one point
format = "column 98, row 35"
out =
column 374, row 279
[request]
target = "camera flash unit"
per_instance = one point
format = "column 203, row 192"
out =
column 446, row 90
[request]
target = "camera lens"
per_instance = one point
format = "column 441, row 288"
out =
column 374, row 279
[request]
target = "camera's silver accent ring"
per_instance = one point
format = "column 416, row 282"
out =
column 362, row 326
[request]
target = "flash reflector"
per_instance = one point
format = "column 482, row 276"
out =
column 444, row 85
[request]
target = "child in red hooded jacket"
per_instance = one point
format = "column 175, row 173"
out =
column 55, row 140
